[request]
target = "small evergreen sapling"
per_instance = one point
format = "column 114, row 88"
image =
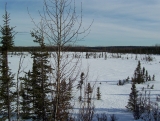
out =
column 153, row 78
column 98, row 93
column 152, row 87
column 138, row 76
column 80, row 85
column 88, row 93
column 143, row 71
column 149, row 78
column 146, row 77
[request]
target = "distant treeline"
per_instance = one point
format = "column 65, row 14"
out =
column 112, row 49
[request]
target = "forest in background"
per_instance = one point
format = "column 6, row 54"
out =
column 111, row 49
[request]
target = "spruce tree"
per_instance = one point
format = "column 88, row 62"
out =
column 133, row 104
column 146, row 76
column 25, row 89
column 149, row 78
column 153, row 78
column 133, row 98
column 138, row 74
column 7, row 95
column 98, row 93
column 143, row 75
column 64, row 100
column 80, row 85
column 37, row 87
column 88, row 93
column 143, row 71
column 41, row 103
column 86, row 111
column 27, row 92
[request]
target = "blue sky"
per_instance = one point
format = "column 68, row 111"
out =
column 116, row 22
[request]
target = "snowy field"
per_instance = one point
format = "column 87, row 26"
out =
column 105, row 73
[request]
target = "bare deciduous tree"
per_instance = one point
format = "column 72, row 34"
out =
column 63, row 27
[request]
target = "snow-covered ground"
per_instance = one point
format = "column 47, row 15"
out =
column 106, row 74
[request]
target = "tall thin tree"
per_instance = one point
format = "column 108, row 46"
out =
column 80, row 85
column 63, row 27
column 39, row 80
column 42, row 103
column 6, row 93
